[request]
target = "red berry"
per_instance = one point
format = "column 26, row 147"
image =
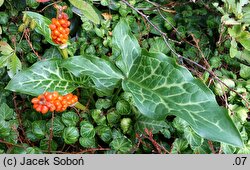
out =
column 52, row 27
column 52, row 101
column 62, row 21
column 39, row 108
column 35, row 100
column 68, row 96
column 49, row 97
column 52, row 108
column 65, row 16
column 56, row 32
column 55, row 95
column 44, row 109
column 35, row 106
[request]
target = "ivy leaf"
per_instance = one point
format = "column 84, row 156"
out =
column 6, row 113
column 159, row 22
column 104, row 132
column 240, row 35
column 103, row 103
column 70, row 135
column 5, row 48
column 70, row 118
column 87, row 10
column 203, row 149
column 87, row 142
column 87, row 129
column 12, row 137
column 227, row 149
column 33, row 150
column 144, row 122
column 39, row 128
column 244, row 71
column 244, row 39
column 179, row 124
column 113, row 117
column 160, row 88
column 179, row 145
column 58, row 126
column 158, row 45
column 245, row 149
column 45, row 76
column 42, row 25
column 128, row 45
column 243, row 56
column 44, row 144
column 246, row 17
column 122, row 145
column 98, row 117
column 193, row 139
column 14, row 65
column 9, row 59
column 4, row 128
column 52, row 52
column 104, row 74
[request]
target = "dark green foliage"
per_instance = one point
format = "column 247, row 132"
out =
column 136, row 90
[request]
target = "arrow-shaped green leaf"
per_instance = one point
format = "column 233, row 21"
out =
column 104, row 74
column 128, row 45
column 45, row 76
column 160, row 87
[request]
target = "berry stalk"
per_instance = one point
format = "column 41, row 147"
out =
column 63, row 50
column 78, row 105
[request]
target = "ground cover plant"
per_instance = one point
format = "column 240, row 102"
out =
column 124, row 76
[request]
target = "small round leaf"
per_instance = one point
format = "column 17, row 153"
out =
column 87, row 129
column 87, row 142
column 70, row 118
column 122, row 145
column 39, row 128
column 70, row 135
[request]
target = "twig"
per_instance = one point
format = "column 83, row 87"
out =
column 11, row 144
column 182, row 57
column 92, row 150
column 140, row 141
column 19, row 118
column 80, row 152
column 211, row 146
column 51, row 132
column 27, row 37
column 159, row 11
column 49, row 6
column 156, row 145
column 196, row 41
column 159, row 6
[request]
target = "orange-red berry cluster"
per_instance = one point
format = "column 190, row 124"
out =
column 60, row 28
column 52, row 101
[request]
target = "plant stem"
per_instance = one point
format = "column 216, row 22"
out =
column 51, row 132
column 63, row 51
column 78, row 105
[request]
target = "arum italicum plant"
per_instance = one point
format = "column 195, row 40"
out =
column 157, row 84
